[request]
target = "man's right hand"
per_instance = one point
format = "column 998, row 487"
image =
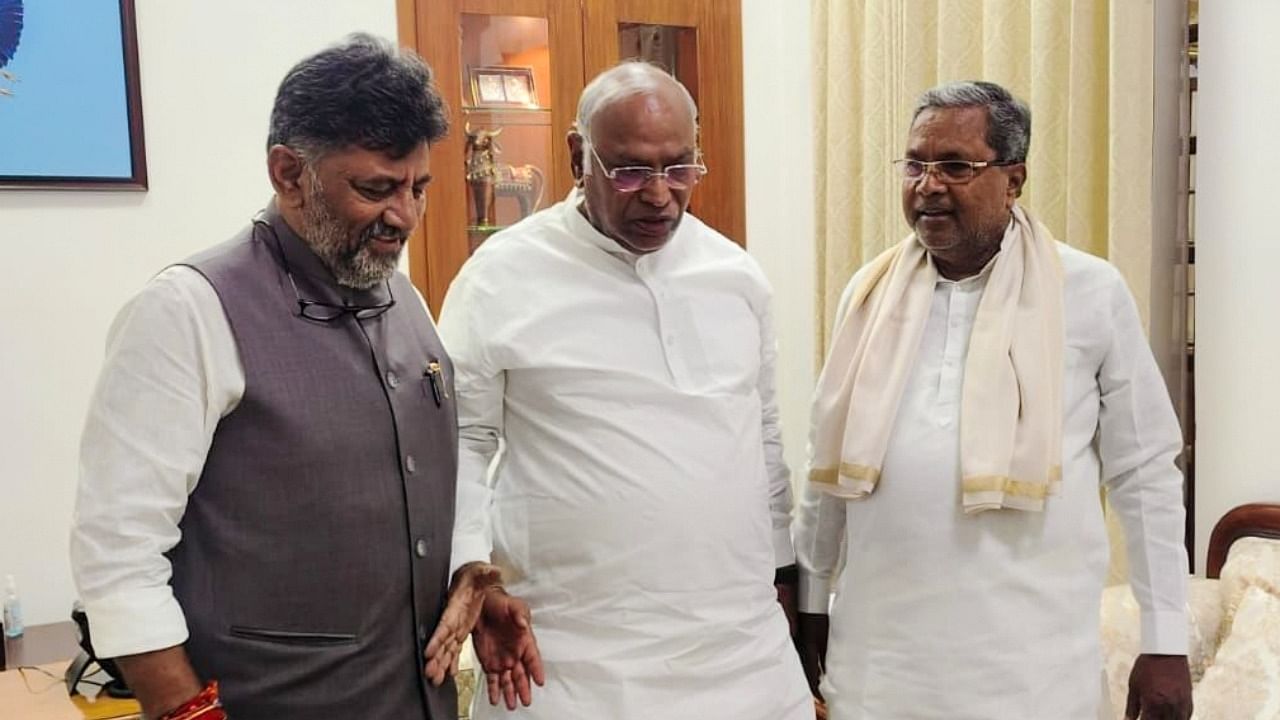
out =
column 813, row 648
column 466, row 600
column 506, row 648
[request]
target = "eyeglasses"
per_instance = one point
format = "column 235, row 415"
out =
column 326, row 312
column 948, row 172
column 631, row 178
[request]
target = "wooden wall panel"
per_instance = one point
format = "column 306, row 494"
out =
column 720, row 64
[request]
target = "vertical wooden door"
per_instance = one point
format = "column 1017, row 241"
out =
column 700, row 41
column 473, row 46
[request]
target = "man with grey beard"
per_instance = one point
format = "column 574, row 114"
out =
column 265, row 510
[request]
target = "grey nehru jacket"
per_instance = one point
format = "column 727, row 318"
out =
column 314, row 558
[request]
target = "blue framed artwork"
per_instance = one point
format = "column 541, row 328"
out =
column 70, row 106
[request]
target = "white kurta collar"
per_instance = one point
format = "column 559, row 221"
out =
column 579, row 226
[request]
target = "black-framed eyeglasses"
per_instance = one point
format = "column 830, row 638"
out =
column 631, row 178
column 327, row 312
column 948, row 172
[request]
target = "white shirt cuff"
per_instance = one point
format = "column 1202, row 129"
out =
column 135, row 621
column 1164, row 632
column 468, row 549
column 783, row 553
column 815, row 594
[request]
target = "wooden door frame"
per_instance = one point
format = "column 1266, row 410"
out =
column 407, row 35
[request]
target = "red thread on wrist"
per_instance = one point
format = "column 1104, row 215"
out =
column 206, row 705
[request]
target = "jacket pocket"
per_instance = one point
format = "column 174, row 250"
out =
column 292, row 637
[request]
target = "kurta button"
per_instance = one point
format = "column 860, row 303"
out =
column 422, row 632
column 420, row 547
column 393, row 380
column 410, row 464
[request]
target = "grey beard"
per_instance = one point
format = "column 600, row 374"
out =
column 353, row 265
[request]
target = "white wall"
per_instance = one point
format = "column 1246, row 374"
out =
column 1237, row 256
column 778, row 109
column 71, row 259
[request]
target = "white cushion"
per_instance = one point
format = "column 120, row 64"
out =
column 1252, row 562
column 1244, row 681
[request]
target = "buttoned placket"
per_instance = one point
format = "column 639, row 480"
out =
column 668, row 335
column 961, row 299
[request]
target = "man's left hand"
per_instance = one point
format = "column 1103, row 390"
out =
column 466, row 599
column 1159, row 688
column 786, row 580
column 507, row 650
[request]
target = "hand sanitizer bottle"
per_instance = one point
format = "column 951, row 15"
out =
column 12, row 609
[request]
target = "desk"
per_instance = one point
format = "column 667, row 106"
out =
column 31, row 694
column 38, row 692
column 41, row 644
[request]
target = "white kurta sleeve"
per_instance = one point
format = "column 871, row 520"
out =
column 479, row 389
column 776, row 464
column 820, row 521
column 171, row 372
column 819, row 539
column 1138, row 441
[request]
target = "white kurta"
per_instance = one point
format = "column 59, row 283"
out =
column 994, row 616
column 640, row 503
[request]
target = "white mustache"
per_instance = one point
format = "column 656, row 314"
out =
column 382, row 230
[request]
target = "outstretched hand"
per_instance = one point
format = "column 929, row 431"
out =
column 507, row 650
column 466, row 600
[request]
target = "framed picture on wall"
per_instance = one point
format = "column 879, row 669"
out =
column 503, row 86
column 70, row 104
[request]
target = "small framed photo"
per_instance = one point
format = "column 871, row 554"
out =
column 503, row 86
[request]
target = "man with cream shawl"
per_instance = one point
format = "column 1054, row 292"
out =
column 983, row 378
